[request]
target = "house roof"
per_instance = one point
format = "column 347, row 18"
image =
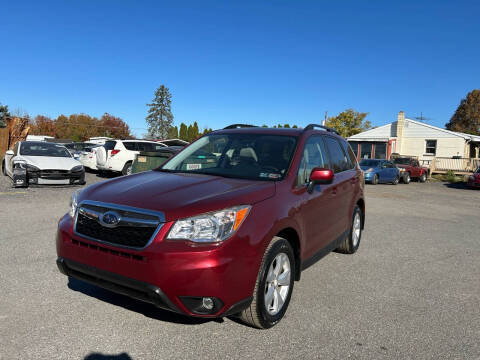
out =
column 390, row 130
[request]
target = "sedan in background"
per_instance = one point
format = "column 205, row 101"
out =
column 88, row 157
column 381, row 171
column 38, row 162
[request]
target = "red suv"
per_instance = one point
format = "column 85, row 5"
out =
column 224, row 227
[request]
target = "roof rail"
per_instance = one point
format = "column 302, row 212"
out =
column 236, row 126
column 312, row 126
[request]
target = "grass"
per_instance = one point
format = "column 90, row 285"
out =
column 448, row 177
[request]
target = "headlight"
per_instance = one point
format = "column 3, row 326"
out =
column 24, row 165
column 209, row 228
column 401, row 169
column 77, row 168
column 369, row 170
column 74, row 203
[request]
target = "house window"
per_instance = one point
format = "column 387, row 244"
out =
column 380, row 150
column 366, row 150
column 430, row 147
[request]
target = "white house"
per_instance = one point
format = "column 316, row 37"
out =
column 409, row 137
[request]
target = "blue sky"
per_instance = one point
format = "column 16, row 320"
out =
column 240, row 61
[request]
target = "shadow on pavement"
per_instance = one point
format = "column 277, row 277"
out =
column 458, row 185
column 98, row 356
column 138, row 306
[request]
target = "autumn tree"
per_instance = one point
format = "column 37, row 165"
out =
column 467, row 116
column 112, row 126
column 4, row 114
column 43, row 125
column 349, row 122
column 160, row 117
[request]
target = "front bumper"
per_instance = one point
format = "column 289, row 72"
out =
column 55, row 177
column 165, row 273
column 369, row 176
column 473, row 184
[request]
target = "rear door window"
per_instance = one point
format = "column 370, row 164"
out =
column 130, row 145
column 338, row 160
column 110, row 145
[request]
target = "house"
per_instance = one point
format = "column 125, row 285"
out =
column 409, row 137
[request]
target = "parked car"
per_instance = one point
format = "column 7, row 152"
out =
column 77, row 148
column 224, row 237
column 382, row 171
column 149, row 160
column 39, row 162
column 88, row 157
column 412, row 167
column 118, row 155
column 474, row 180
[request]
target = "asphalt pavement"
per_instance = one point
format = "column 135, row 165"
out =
column 412, row 291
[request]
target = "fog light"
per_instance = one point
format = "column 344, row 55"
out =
column 208, row 303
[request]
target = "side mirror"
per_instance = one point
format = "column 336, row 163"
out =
column 319, row 176
column 9, row 152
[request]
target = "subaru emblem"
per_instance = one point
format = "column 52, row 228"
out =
column 110, row 219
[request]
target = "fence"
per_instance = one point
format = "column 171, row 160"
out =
column 459, row 166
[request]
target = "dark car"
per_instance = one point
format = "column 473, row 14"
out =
column 474, row 180
column 224, row 227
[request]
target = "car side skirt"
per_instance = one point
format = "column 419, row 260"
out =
column 324, row 251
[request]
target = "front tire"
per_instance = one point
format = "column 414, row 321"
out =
column 4, row 172
column 406, row 178
column 423, row 177
column 274, row 286
column 352, row 241
column 375, row 180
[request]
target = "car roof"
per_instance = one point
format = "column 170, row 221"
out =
column 274, row 131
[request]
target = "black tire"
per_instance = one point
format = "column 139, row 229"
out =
column 127, row 168
column 406, row 178
column 423, row 177
column 256, row 314
column 4, row 172
column 375, row 180
column 348, row 245
column 396, row 180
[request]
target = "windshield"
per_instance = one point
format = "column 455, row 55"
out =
column 402, row 161
column 243, row 156
column 44, row 149
column 478, row 171
column 369, row 163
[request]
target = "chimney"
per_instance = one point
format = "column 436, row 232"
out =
column 400, row 125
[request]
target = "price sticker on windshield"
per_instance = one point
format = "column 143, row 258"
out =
column 194, row 166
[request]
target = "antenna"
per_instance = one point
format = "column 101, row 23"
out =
column 422, row 118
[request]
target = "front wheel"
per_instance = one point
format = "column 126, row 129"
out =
column 274, row 286
column 406, row 178
column 350, row 244
column 375, row 180
column 4, row 172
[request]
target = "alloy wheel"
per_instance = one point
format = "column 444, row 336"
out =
column 356, row 229
column 277, row 284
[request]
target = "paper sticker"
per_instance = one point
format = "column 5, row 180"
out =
column 142, row 159
column 194, row 166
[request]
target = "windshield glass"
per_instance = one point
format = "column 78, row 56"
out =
column 43, row 149
column 369, row 163
column 243, row 156
column 402, row 161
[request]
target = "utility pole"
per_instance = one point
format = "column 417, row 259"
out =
column 325, row 120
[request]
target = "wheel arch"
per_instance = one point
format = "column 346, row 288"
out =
column 291, row 235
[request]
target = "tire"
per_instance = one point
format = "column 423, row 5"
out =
column 127, row 168
column 396, row 180
column 351, row 242
column 258, row 314
column 4, row 172
column 423, row 177
column 375, row 180
column 406, row 178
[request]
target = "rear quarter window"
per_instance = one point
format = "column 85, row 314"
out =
column 110, row 145
column 130, row 146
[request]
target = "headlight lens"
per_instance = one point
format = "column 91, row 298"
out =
column 74, row 203
column 209, row 228
column 24, row 165
column 77, row 168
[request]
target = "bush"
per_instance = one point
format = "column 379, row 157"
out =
column 451, row 176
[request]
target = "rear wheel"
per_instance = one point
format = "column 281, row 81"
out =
column 375, row 179
column 274, row 286
column 396, row 180
column 423, row 177
column 127, row 169
column 352, row 241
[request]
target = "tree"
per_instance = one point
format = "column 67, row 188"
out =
column 294, row 127
column 4, row 114
column 43, row 125
column 173, row 132
column 183, row 134
column 113, row 126
column 349, row 122
column 190, row 135
column 467, row 116
column 195, row 131
column 160, row 117
column 286, row 126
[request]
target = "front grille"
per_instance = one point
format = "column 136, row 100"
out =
column 54, row 174
column 135, row 229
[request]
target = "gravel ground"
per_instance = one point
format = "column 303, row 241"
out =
column 412, row 291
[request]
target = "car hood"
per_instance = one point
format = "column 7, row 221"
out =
column 50, row 162
column 178, row 195
column 365, row 168
column 402, row 166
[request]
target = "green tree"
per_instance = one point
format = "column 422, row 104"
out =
column 190, row 135
column 467, row 116
column 349, row 122
column 264, row 126
column 294, row 127
column 4, row 114
column 183, row 132
column 195, row 131
column 286, row 126
column 160, row 117
column 173, row 132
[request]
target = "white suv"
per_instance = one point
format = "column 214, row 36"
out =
column 118, row 155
